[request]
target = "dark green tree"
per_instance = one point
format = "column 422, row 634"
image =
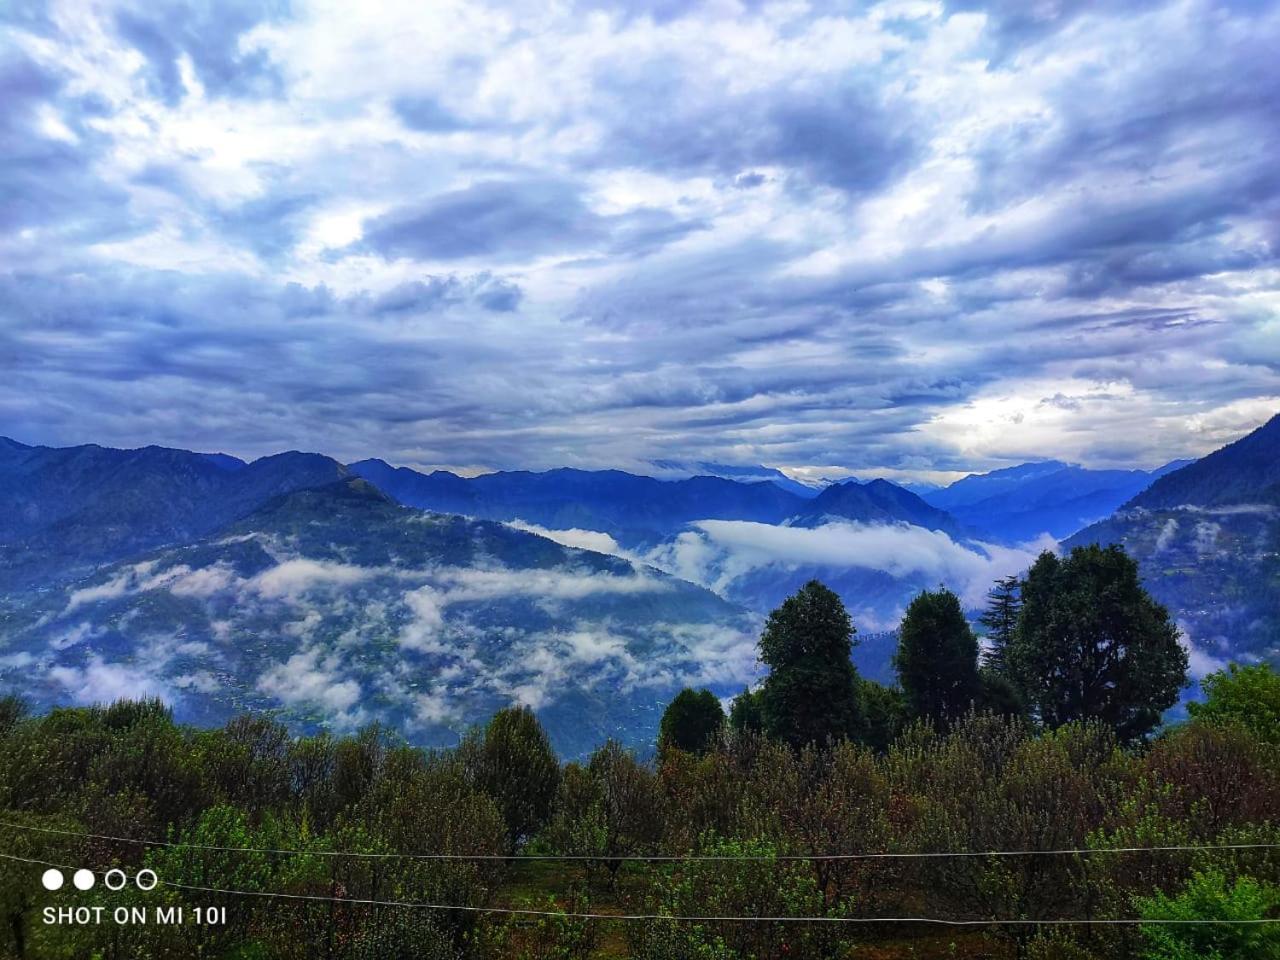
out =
column 1000, row 695
column 745, row 715
column 691, row 722
column 884, row 713
column 811, row 694
column 1000, row 620
column 937, row 658
column 514, row 764
column 1091, row 644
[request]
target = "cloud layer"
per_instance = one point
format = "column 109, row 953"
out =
column 910, row 237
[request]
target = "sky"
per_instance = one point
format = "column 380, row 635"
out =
column 905, row 238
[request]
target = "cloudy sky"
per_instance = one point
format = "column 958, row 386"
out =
column 906, row 237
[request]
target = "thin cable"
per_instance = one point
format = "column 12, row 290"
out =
column 573, row 915
column 644, row 858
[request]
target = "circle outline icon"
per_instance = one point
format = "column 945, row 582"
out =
column 107, row 879
column 52, row 879
column 83, row 879
column 138, row 879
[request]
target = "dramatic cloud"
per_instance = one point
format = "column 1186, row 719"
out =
column 898, row 238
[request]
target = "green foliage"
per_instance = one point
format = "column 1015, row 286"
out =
column 514, row 764
column 13, row 710
column 1092, row 644
column 937, row 658
column 250, row 808
column 1209, row 895
column 1000, row 695
column 884, row 713
column 763, row 887
column 746, row 714
column 811, row 626
column 810, row 695
column 691, row 722
column 1247, row 695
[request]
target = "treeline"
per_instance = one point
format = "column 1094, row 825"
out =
column 1077, row 639
column 323, row 824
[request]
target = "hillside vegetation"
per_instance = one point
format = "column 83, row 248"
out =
column 310, row 842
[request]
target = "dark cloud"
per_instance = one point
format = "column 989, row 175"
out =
column 434, row 293
column 210, row 34
column 45, row 180
column 518, row 219
column 426, row 113
column 841, row 136
column 492, row 219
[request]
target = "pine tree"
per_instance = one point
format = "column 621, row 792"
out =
column 1001, row 619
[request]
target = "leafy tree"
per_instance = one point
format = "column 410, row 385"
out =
column 1092, row 644
column 811, row 693
column 1249, row 696
column 514, row 764
column 1209, row 896
column 937, row 658
column 745, row 714
column 1001, row 621
column 998, row 694
column 691, row 722
column 884, row 712
column 629, row 796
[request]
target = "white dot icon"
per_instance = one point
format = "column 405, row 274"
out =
column 52, row 879
column 83, row 879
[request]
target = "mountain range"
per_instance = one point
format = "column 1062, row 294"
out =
column 1020, row 503
column 339, row 594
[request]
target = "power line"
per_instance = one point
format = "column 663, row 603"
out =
column 651, row 917
column 649, row 858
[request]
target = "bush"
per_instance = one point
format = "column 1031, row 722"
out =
column 1248, row 696
column 1210, row 896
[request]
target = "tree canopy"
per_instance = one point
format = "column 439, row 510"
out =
column 1091, row 643
column 937, row 658
column 810, row 695
column 691, row 721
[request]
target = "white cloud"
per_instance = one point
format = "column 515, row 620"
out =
column 577, row 538
column 292, row 578
column 480, row 583
column 311, row 677
column 204, row 582
column 724, row 550
column 422, row 633
column 101, row 682
column 117, row 586
column 1200, row 663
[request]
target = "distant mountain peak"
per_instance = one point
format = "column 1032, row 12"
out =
column 876, row 501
